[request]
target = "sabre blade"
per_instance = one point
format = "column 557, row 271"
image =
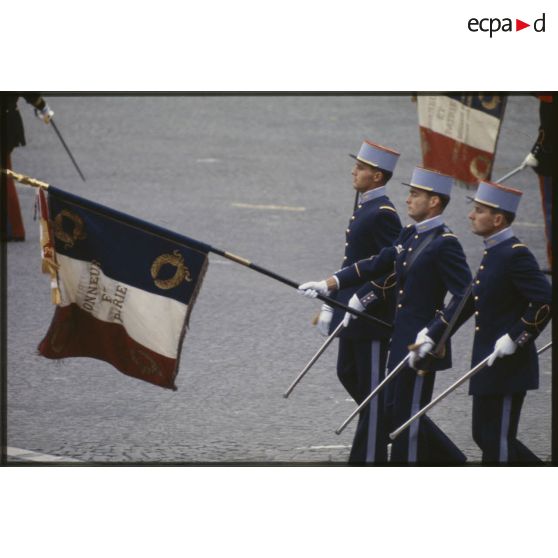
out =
column 454, row 386
column 374, row 392
column 55, row 128
column 325, row 345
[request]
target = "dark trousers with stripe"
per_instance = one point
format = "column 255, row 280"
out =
column 360, row 368
column 495, row 421
column 423, row 441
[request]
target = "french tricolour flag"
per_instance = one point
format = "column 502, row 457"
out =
column 459, row 134
column 127, row 288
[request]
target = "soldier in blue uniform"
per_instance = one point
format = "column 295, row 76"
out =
column 511, row 301
column 363, row 346
column 428, row 261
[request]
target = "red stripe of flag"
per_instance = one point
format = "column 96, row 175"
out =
column 74, row 332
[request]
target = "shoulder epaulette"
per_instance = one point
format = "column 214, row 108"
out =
column 449, row 234
column 519, row 245
column 409, row 225
column 388, row 207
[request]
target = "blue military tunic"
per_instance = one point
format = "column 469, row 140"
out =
column 428, row 261
column 510, row 296
column 374, row 225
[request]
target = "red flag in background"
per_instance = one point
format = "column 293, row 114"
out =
column 459, row 133
column 16, row 230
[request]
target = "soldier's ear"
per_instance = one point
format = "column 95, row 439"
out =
column 378, row 176
column 435, row 200
column 498, row 219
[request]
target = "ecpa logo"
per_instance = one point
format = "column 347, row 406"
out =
column 494, row 24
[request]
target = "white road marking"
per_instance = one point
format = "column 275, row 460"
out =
column 28, row 455
column 525, row 224
column 322, row 447
column 272, row 207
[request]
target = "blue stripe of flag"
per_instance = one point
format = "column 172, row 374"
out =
column 489, row 104
column 126, row 247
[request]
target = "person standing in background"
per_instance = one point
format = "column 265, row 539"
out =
column 13, row 135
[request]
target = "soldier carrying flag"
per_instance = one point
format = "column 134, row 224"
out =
column 363, row 346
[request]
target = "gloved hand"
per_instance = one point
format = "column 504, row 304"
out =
column 426, row 345
column 313, row 288
column 45, row 114
column 530, row 160
column 324, row 320
column 354, row 302
column 503, row 347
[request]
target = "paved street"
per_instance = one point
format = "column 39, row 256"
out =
column 267, row 178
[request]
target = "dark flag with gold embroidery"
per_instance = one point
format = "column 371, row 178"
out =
column 124, row 288
column 459, row 133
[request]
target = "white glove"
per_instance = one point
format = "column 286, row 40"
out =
column 503, row 347
column 324, row 320
column 45, row 114
column 530, row 161
column 426, row 345
column 354, row 302
column 313, row 288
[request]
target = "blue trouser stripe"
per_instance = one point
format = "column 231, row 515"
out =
column 373, row 414
column 505, row 428
column 414, row 428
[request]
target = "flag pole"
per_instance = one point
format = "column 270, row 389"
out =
column 290, row 283
column 24, row 179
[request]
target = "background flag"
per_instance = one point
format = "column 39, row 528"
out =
column 127, row 288
column 458, row 134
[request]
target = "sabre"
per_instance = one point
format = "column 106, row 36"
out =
column 434, row 354
column 55, row 127
column 514, row 171
column 440, row 346
column 386, row 380
column 447, row 391
column 314, row 359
